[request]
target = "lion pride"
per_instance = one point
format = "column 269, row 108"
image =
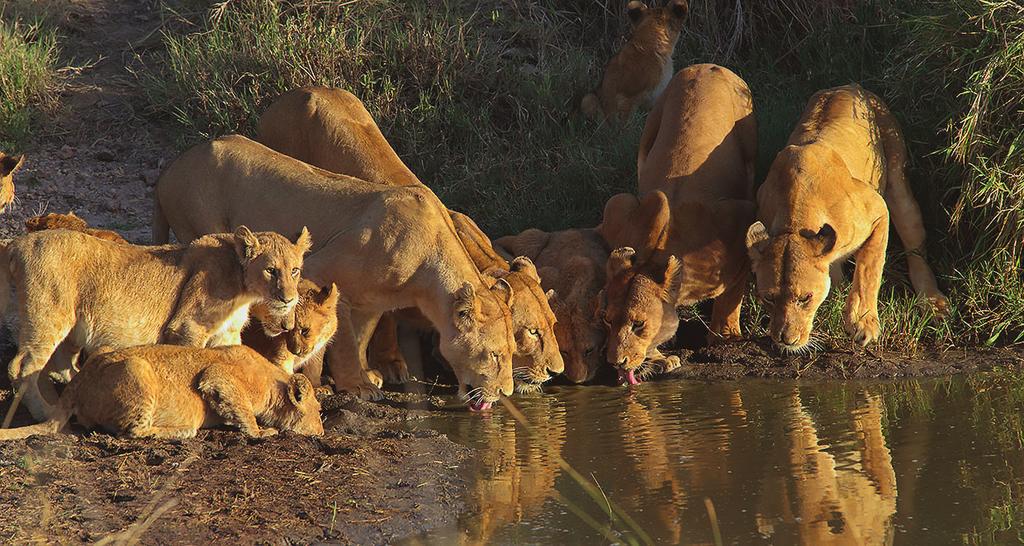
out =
column 829, row 195
column 331, row 129
column 696, row 174
column 385, row 247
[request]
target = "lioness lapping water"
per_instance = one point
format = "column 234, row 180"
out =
column 641, row 70
column 385, row 247
column 696, row 169
column 86, row 292
column 164, row 391
column 830, row 194
column 331, row 129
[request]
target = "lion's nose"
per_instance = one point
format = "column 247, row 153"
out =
column 286, row 300
column 790, row 339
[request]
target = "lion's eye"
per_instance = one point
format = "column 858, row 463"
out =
column 534, row 332
column 588, row 351
column 271, row 271
column 296, row 271
column 805, row 299
column 495, row 358
column 638, row 325
column 607, row 322
column 305, row 332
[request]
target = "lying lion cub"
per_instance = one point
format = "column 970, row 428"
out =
column 316, row 320
column 641, row 70
column 386, row 247
column 331, row 129
column 165, row 391
column 696, row 168
column 69, row 221
column 87, row 292
column 829, row 195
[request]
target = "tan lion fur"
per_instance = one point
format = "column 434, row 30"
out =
column 9, row 164
column 641, row 70
column 316, row 321
column 331, row 129
column 829, row 195
column 385, row 247
column 85, row 292
column 695, row 172
column 55, row 220
column 165, row 391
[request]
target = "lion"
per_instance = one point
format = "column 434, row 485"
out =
column 641, row 70
column 55, row 220
column 385, row 247
column 167, row 391
column 828, row 196
column 316, row 321
column 571, row 264
column 85, row 292
column 331, row 129
column 695, row 170
column 9, row 164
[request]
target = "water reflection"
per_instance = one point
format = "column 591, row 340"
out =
column 781, row 463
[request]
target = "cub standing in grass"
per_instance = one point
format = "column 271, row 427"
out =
column 641, row 70
column 331, row 129
column 77, row 289
column 829, row 194
column 165, row 391
column 696, row 173
column 386, row 247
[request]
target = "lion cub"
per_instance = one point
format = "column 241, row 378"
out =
column 829, row 195
column 316, row 320
column 641, row 70
column 167, row 391
column 69, row 221
column 85, row 292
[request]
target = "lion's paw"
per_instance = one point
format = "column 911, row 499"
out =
column 394, row 372
column 864, row 329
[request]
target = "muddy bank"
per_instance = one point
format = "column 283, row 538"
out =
column 365, row 482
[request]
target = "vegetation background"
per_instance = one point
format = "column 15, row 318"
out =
column 480, row 99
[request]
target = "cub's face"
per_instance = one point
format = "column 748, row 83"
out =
column 667, row 19
column 581, row 338
column 273, row 267
column 301, row 412
column 634, row 320
column 480, row 349
column 316, row 319
column 792, row 278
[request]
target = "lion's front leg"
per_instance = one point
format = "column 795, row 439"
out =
column 384, row 353
column 861, row 313
column 346, row 356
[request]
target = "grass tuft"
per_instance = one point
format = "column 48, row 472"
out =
column 28, row 57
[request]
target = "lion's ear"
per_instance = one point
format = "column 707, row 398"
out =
column 636, row 10
column 504, row 291
column 304, row 240
column 9, row 164
column 464, row 307
column 247, row 244
column 679, row 8
column 825, row 238
column 299, row 389
column 757, row 237
column 620, row 260
column 673, row 279
column 327, row 295
column 522, row 264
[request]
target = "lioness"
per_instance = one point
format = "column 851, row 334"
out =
column 166, row 391
column 828, row 196
column 316, row 320
column 571, row 263
column 386, row 247
column 55, row 220
column 331, row 129
column 87, row 292
column 641, row 70
column 695, row 169
column 8, row 165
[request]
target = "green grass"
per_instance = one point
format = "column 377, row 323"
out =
column 479, row 98
column 28, row 56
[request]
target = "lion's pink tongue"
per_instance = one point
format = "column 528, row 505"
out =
column 627, row 377
column 479, row 406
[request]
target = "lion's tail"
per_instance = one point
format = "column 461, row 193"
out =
column 161, row 229
column 53, row 425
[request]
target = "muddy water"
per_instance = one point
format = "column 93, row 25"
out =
column 931, row 462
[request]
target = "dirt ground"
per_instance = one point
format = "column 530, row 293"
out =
column 367, row 481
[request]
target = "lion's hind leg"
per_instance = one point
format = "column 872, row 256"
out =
column 218, row 389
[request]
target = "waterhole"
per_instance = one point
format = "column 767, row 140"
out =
column 755, row 462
